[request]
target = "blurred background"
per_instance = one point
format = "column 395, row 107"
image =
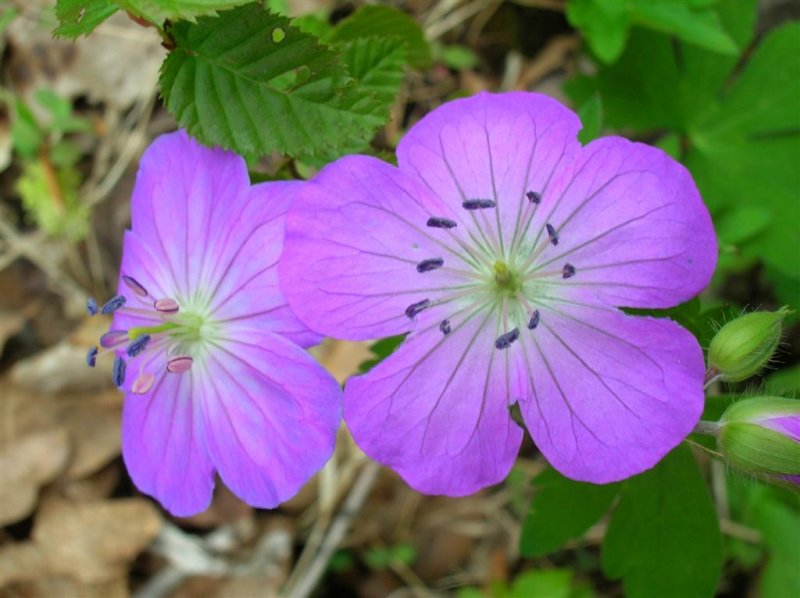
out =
column 76, row 115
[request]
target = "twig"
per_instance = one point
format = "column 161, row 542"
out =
column 341, row 523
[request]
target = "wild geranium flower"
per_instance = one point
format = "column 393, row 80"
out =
column 505, row 250
column 207, row 351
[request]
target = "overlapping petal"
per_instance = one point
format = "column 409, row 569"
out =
column 437, row 411
column 609, row 394
column 631, row 221
column 270, row 414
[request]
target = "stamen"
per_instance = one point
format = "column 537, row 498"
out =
column 139, row 345
column 430, row 264
column 91, row 306
column 436, row 222
column 504, row 341
column 568, row 271
column 180, row 364
column 534, row 197
column 477, row 204
column 552, row 233
column 534, row 320
column 143, row 383
column 113, row 305
column 118, row 374
column 444, row 326
column 169, row 306
column 113, row 338
column 415, row 308
column 134, row 285
column 91, row 357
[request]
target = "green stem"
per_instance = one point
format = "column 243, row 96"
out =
column 708, row 428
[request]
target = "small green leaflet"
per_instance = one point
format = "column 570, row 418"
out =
column 158, row 11
column 663, row 539
column 562, row 510
column 81, row 17
column 230, row 83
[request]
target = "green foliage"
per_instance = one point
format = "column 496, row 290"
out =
column 549, row 583
column 230, row 85
column 457, row 57
column 383, row 22
column 50, row 198
column 384, row 557
column 664, row 538
column 591, row 115
column 158, row 11
column 81, row 17
column 381, row 349
column 562, row 510
column 606, row 23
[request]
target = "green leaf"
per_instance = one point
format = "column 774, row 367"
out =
column 591, row 115
column 604, row 25
column 457, row 57
column 26, row 134
column 381, row 349
column 664, row 538
column 377, row 65
column 6, row 17
column 229, row 84
column 744, row 223
column 562, row 510
column 784, row 382
column 385, row 21
column 158, row 11
column 81, row 17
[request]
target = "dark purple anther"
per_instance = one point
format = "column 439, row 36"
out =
column 91, row 357
column 444, row 326
column 534, row 320
column 134, row 285
column 91, row 306
column 551, row 232
column 504, row 341
column 139, row 345
column 430, row 264
column 435, row 222
column 533, row 197
column 477, row 204
column 568, row 271
column 113, row 305
column 118, row 373
column 113, row 338
column 413, row 309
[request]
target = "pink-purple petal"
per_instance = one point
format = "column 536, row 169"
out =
column 437, row 410
column 609, row 394
column 270, row 414
column 164, row 445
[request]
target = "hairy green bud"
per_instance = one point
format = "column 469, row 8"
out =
column 742, row 347
column 762, row 435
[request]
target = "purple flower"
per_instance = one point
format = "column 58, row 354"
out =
column 207, row 351
column 505, row 250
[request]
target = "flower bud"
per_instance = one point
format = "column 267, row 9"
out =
column 745, row 345
column 762, row 435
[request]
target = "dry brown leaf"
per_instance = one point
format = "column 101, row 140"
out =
column 94, row 428
column 64, row 587
column 94, row 541
column 25, row 466
column 342, row 358
column 20, row 561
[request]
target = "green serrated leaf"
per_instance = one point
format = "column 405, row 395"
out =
column 663, row 538
column 562, row 510
column 81, row 17
column 377, row 65
column 591, row 115
column 385, row 21
column 50, row 198
column 226, row 83
column 158, row 11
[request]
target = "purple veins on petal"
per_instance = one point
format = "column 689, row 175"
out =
column 415, row 308
column 430, row 264
column 552, row 233
column 568, row 271
column 169, row 306
column 436, row 222
column 91, row 306
column 113, row 338
column 477, row 204
column 179, row 364
column 134, row 285
column 534, row 197
column 139, row 345
column 91, row 357
column 504, row 340
column 113, row 305
column 118, row 373
column 534, row 321
column 444, row 326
